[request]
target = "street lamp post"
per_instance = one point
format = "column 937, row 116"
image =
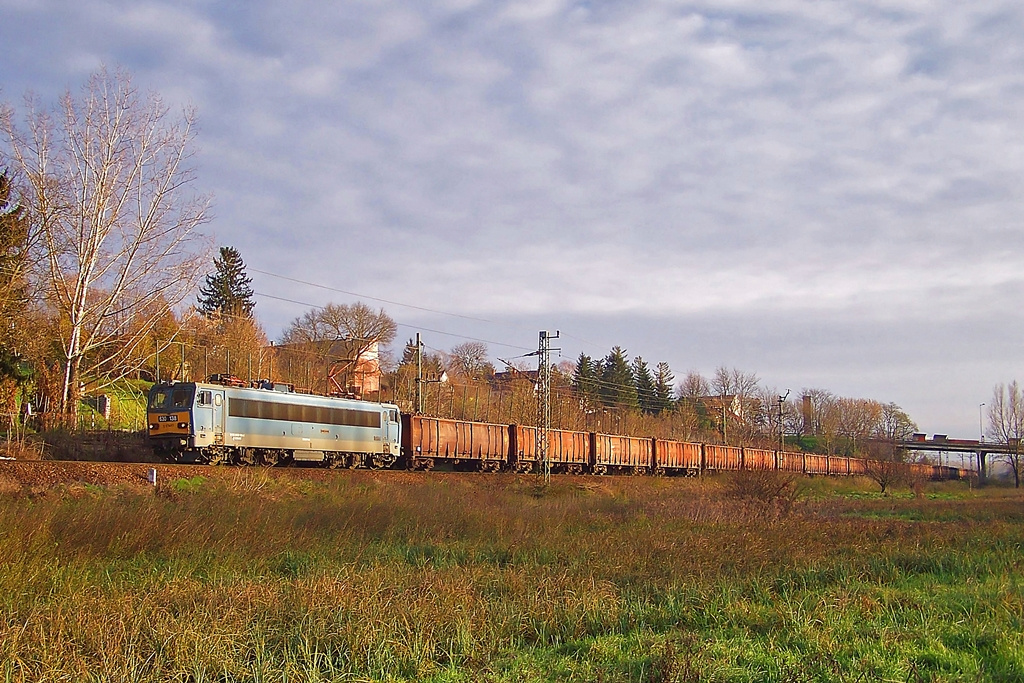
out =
column 981, row 438
column 981, row 429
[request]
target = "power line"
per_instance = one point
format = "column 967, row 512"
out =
column 371, row 298
column 401, row 324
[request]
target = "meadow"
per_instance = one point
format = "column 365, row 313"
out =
column 359, row 576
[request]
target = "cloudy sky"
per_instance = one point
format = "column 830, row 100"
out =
column 828, row 194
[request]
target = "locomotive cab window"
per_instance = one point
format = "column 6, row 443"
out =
column 205, row 398
column 170, row 398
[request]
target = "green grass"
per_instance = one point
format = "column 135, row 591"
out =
column 248, row 577
column 187, row 484
column 128, row 404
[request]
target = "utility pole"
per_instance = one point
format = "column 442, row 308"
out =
column 782, row 434
column 725, row 434
column 544, row 400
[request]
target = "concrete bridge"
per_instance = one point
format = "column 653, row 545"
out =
column 941, row 443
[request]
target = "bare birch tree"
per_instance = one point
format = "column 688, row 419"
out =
column 109, row 181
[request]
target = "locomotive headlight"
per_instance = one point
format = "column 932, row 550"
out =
column 183, row 425
column 154, row 427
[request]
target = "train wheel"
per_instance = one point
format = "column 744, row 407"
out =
column 600, row 470
column 217, row 457
column 378, row 461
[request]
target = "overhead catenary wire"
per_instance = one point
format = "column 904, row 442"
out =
column 371, row 298
column 403, row 324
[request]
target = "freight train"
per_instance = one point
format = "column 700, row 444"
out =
column 224, row 421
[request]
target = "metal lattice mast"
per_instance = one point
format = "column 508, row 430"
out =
column 544, row 401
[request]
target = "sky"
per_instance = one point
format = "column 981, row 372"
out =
column 828, row 194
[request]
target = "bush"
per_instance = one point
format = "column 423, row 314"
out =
column 770, row 494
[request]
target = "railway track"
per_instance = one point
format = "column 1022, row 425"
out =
column 39, row 476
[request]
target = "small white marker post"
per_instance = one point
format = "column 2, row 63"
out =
column 151, row 477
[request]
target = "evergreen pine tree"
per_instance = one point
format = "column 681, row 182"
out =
column 585, row 380
column 643, row 380
column 617, row 388
column 227, row 290
column 409, row 353
column 663, row 379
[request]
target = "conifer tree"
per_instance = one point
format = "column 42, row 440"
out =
column 663, row 379
column 617, row 388
column 643, row 380
column 227, row 290
column 585, row 380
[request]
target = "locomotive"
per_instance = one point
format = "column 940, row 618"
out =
column 224, row 421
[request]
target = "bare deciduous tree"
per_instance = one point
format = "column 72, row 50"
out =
column 109, row 188
column 884, row 466
column 886, row 463
column 336, row 322
column 469, row 360
column 694, row 386
column 334, row 340
column 213, row 344
column 1006, row 423
column 773, row 410
column 894, row 424
column 857, row 419
column 734, row 382
column 815, row 404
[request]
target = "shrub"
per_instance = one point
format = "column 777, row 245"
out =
column 770, row 494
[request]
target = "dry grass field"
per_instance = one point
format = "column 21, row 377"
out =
column 257, row 575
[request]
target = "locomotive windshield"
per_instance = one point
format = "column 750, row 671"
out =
column 176, row 397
